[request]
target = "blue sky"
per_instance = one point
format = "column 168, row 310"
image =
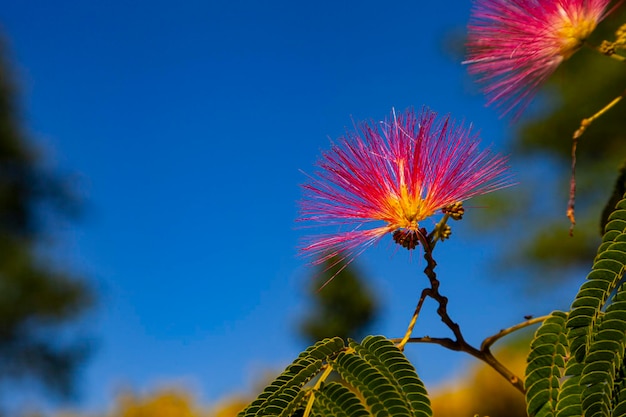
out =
column 185, row 126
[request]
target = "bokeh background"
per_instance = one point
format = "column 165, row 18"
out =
column 177, row 135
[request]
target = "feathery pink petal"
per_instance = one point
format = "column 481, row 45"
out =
column 515, row 45
column 392, row 175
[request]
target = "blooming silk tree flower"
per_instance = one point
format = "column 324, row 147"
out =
column 515, row 45
column 386, row 178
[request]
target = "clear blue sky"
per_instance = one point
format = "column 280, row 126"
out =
column 185, row 125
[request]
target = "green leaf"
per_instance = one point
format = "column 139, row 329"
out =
column 546, row 361
column 607, row 271
column 387, row 358
column 377, row 380
column 619, row 188
column 605, row 358
column 620, row 393
column 337, row 400
column 568, row 404
column 384, row 377
column 596, row 332
column 286, row 394
column 378, row 393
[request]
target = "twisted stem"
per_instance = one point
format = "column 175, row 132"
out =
column 428, row 243
column 458, row 343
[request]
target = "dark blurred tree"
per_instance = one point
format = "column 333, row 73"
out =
column 343, row 306
column 37, row 301
column 581, row 86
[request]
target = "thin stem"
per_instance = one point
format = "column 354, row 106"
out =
column 429, row 243
column 433, row 291
column 458, row 343
column 584, row 124
column 488, row 342
column 572, row 189
column 409, row 330
column 483, row 355
column 318, row 384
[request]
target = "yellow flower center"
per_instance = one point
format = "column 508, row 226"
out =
column 572, row 31
column 406, row 209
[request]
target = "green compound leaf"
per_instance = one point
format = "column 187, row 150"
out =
column 384, row 378
column 620, row 393
column 376, row 380
column 601, row 374
column 593, row 383
column 606, row 273
column 387, row 359
column 568, row 404
column 618, row 191
column 286, row 394
column 546, row 362
column 380, row 396
column 337, row 400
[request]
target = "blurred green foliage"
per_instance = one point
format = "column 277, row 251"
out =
column 37, row 300
column 343, row 304
column 580, row 87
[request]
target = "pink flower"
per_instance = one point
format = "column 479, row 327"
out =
column 515, row 45
column 388, row 177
